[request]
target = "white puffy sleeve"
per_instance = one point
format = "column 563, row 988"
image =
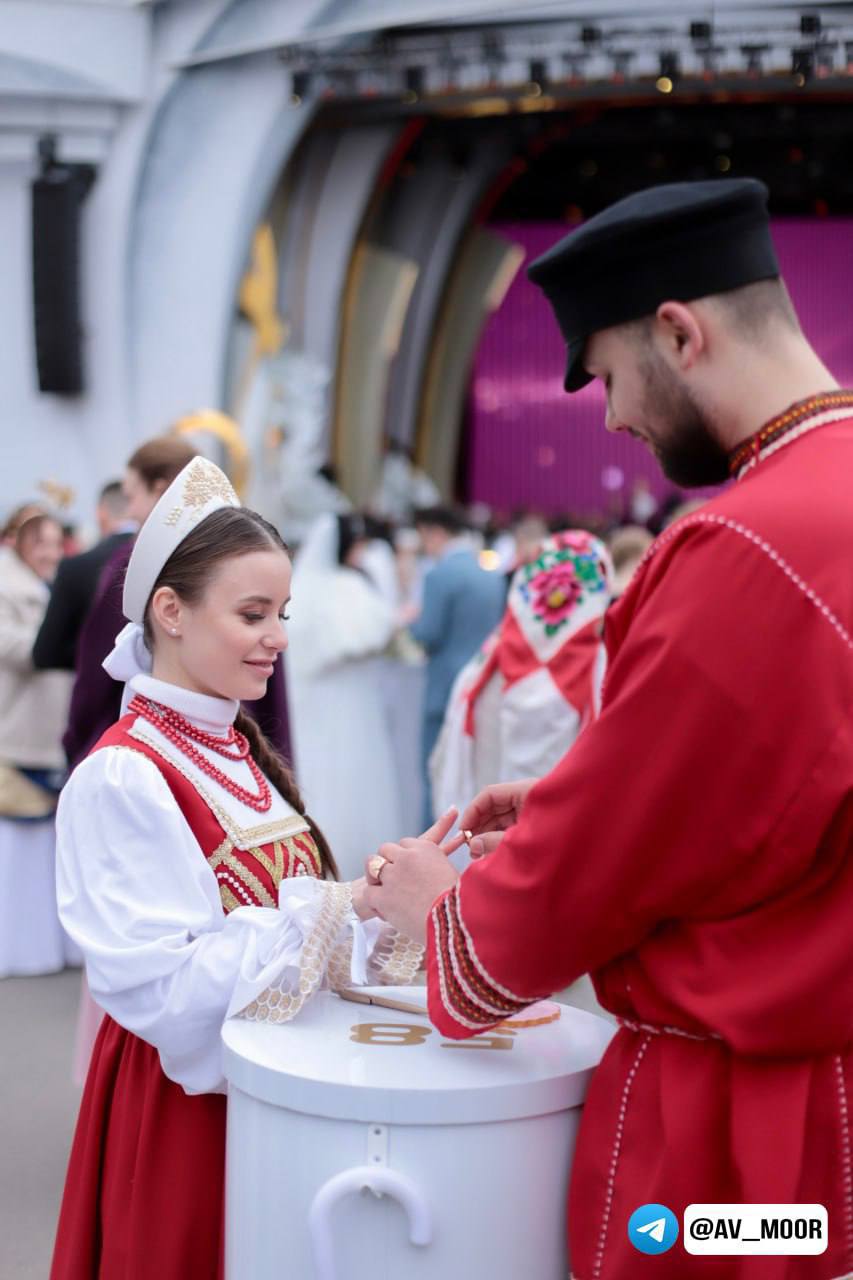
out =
column 137, row 895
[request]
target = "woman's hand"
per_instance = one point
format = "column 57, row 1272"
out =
column 403, row 879
column 410, row 879
column 360, row 905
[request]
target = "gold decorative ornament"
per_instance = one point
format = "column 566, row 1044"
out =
column 259, row 294
column 61, row 496
column 227, row 431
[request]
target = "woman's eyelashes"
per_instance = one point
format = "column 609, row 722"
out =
column 259, row 617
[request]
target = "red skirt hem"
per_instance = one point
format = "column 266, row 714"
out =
column 144, row 1193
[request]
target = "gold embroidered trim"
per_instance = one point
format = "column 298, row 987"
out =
column 236, row 886
column 244, row 838
column 219, row 852
column 396, row 959
column 203, row 483
column 340, row 965
column 310, row 860
column 281, row 1002
column 249, row 879
column 229, row 902
column 274, row 866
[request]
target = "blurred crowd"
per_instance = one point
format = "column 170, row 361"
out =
column 431, row 649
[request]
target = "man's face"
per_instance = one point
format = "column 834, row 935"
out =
column 433, row 540
column 646, row 398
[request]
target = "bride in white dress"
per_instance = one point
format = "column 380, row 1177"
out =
column 343, row 756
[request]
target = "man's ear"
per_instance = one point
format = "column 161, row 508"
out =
column 680, row 334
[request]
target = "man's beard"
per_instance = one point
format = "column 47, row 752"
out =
column 689, row 454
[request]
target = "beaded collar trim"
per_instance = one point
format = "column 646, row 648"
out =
column 801, row 417
column 283, row 822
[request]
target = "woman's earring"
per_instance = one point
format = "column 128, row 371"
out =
column 174, row 630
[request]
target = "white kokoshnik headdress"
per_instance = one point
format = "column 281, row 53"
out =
column 199, row 490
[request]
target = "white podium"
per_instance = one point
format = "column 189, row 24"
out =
column 363, row 1145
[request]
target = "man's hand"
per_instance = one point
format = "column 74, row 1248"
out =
column 414, row 873
column 492, row 812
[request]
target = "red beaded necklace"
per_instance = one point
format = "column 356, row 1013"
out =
column 182, row 733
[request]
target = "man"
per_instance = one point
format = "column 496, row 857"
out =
column 693, row 849
column 76, row 583
column 462, row 603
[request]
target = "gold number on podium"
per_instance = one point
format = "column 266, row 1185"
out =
column 388, row 1033
column 480, row 1042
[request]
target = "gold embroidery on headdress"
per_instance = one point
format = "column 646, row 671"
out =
column 204, row 482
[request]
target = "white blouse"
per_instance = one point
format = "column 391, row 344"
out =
column 139, row 898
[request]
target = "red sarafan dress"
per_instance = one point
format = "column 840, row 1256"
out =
column 694, row 851
column 190, row 905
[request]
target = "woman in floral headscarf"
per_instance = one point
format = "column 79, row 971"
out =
column 521, row 702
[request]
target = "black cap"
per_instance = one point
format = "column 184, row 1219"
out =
column 681, row 241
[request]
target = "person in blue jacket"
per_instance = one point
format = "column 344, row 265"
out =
column 462, row 603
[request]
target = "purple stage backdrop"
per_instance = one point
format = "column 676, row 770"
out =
column 531, row 445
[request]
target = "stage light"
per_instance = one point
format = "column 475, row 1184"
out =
column 414, row 79
column 709, row 55
column 538, row 76
column 590, row 35
column 489, row 560
column 753, row 54
column 700, row 31
column 669, row 72
column 299, row 86
column 621, row 59
column 809, row 24
column 825, row 54
column 802, row 66
column 574, row 63
column 493, row 56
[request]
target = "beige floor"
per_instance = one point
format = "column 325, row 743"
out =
column 38, row 1104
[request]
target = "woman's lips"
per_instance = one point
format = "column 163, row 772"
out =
column 265, row 668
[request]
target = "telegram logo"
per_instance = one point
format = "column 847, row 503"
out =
column 653, row 1228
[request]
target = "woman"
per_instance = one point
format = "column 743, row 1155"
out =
column 179, row 836
column 519, row 705
column 95, row 698
column 33, row 708
column 341, row 626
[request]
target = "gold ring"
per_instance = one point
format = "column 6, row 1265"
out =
column 375, row 865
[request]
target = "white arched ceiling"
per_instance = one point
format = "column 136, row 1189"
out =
column 214, row 153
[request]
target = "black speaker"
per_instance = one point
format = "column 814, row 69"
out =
column 57, row 196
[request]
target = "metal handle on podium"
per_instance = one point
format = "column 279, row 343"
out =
column 381, row 1181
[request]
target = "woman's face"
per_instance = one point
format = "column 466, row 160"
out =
column 41, row 548
column 140, row 499
column 227, row 643
column 354, row 558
